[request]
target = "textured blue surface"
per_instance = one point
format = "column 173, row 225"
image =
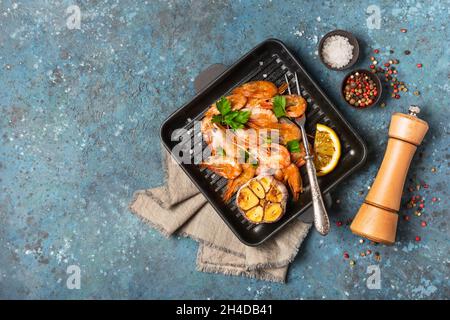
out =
column 80, row 115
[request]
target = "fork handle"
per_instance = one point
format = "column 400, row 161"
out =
column 321, row 221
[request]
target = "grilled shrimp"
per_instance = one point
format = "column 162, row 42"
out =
column 266, row 171
column 247, row 138
column 237, row 102
column 292, row 177
column 299, row 157
column 285, row 130
column 224, row 140
column 226, row 167
column 261, row 118
column 233, row 185
column 274, row 156
column 206, row 128
column 264, row 103
column 279, row 175
column 257, row 89
column 212, row 111
column 288, row 131
column 295, row 106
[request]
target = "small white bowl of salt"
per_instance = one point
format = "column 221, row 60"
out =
column 338, row 50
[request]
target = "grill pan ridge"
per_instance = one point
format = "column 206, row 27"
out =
column 270, row 61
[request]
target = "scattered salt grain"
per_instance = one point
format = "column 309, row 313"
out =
column 299, row 33
column 337, row 51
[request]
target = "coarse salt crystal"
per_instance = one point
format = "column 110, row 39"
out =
column 337, row 51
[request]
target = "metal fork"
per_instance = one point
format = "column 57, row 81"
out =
column 321, row 221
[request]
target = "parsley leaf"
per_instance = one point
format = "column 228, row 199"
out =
column 236, row 125
column 293, row 146
column 234, row 119
column 223, row 105
column 229, row 117
column 279, row 106
column 242, row 116
column 217, row 118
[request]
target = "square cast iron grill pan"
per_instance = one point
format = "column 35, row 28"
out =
column 270, row 60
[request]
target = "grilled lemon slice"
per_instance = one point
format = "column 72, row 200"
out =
column 327, row 149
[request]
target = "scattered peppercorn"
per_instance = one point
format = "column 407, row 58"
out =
column 346, row 255
column 339, row 223
column 406, row 218
column 419, row 65
column 403, row 30
column 376, row 51
column 418, row 238
column 390, row 75
column 377, row 256
column 368, row 252
column 434, row 199
column 423, row 224
column 407, row 52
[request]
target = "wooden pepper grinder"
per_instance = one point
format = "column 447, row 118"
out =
column 377, row 218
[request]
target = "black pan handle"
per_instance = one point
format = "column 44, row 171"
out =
column 208, row 75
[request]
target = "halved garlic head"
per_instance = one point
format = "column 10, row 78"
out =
column 262, row 199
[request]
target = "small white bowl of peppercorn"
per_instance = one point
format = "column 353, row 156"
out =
column 361, row 89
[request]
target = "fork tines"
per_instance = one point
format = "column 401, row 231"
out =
column 297, row 85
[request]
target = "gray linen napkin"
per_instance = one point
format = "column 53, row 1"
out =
column 179, row 208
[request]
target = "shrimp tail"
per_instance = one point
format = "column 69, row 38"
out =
column 234, row 184
column 293, row 179
column 230, row 190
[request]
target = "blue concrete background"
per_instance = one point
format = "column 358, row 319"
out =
column 80, row 115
